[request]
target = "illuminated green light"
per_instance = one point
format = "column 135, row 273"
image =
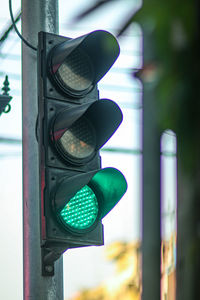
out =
column 81, row 211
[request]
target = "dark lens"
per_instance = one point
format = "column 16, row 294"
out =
column 79, row 141
column 76, row 72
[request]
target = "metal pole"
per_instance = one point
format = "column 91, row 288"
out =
column 37, row 15
column 151, row 238
column 151, row 206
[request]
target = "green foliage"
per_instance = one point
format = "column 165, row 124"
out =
column 171, row 43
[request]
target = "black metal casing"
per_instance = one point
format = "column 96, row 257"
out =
column 51, row 100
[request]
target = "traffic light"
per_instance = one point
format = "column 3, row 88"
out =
column 73, row 124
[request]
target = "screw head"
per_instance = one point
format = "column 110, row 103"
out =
column 49, row 268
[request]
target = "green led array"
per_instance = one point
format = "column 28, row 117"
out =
column 82, row 210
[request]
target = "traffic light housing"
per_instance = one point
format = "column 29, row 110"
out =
column 73, row 125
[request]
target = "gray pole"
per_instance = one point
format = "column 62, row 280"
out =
column 151, row 201
column 151, row 237
column 37, row 15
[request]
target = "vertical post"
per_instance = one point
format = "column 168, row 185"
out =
column 37, row 15
column 151, row 237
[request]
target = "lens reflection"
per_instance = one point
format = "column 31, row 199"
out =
column 79, row 140
column 76, row 72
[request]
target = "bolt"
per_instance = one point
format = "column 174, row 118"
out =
column 48, row 268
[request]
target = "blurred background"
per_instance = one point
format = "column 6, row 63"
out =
column 158, row 64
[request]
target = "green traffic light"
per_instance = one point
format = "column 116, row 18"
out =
column 81, row 201
column 81, row 211
column 73, row 125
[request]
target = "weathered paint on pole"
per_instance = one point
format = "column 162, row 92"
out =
column 37, row 15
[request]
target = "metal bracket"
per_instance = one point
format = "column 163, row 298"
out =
column 48, row 259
